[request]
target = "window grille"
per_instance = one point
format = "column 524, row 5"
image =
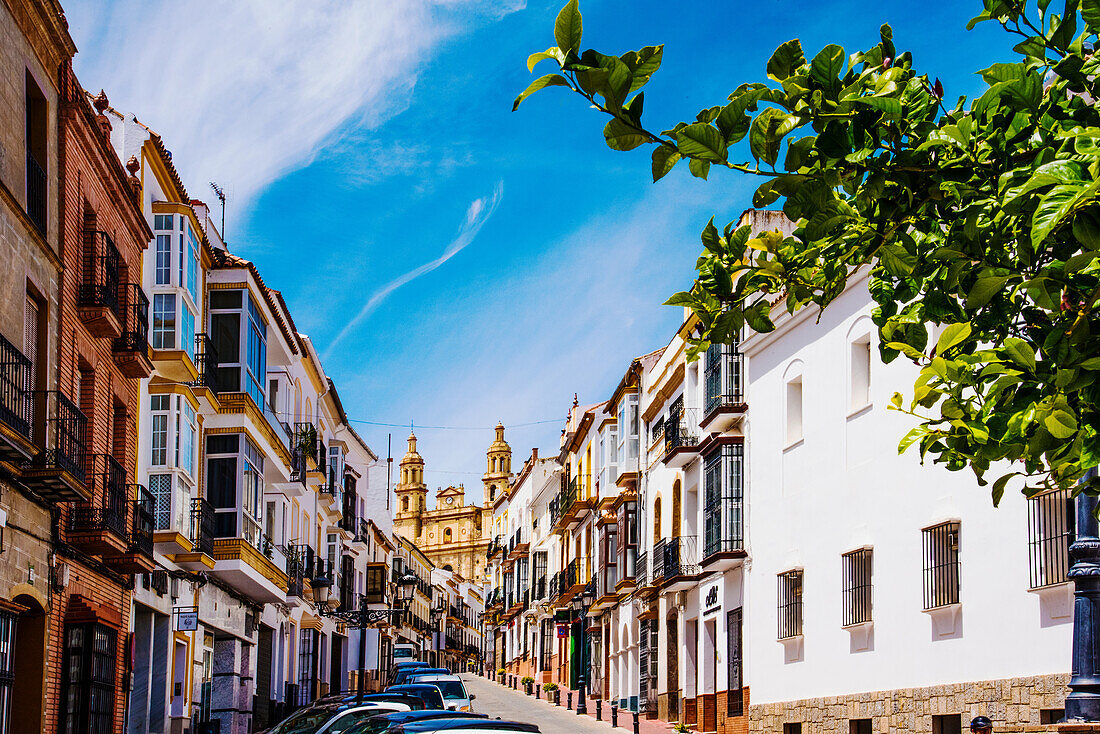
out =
column 941, row 565
column 1052, row 528
column 8, row 622
column 88, row 704
column 735, row 699
column 723, row 376
column 547, row 646
column 857, row 586
column 790, row 604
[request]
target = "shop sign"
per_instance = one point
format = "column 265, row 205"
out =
column 711, row 604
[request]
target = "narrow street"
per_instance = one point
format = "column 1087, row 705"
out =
column 497, row 701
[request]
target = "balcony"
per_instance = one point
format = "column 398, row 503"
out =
column 300, row 563
column 517, row 546
column 576, row 576
column 303, row 451
column 681, row 440
column 131, row 348
column 570, row 505
column 206, row 366
column 16, row 405
column 57, row 471
column 101, row 528
column 724, row 404
column 723, row 538
column 98, row 303
column 243, row 565
column 202, row 529
column 37, row 193
column 138, row 556
column 675, row 562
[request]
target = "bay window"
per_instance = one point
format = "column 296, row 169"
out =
column 234, row 470
column 627, row 547
column 240, row 339
column 723, row 479
column 164, row 321
column 628, row 434
column 159, row 434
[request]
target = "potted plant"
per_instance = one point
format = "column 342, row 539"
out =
column 527, row 681
column 500, row 675
column 552, row 688
column 681, row 728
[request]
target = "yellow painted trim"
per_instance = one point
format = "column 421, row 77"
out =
column 227, row 286
column 175, row 388
column 172, row 536
column 232, row 549
column 194, row 558
column 172, row 207
column 237, row 403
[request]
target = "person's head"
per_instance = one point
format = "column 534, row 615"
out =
column 981, row 725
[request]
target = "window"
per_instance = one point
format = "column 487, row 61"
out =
column 187, row 330
column 225, row 327
column 792, row 728
column 857, row 586
column 947, row 724
column 859, row 726
column 446, row 535
column 722, row 376
column 8, row 622
column 790, row 604
column 547, row 646
column 941, row 565
column 159, row 434
column 376, row 584
column 628, row 433
column 37, row 116
column 723, row 476
column 187, row 431
column 164, row 321
column 256, row 367
column 656, row 522
column 1051, row 716
column 794, row 410
column 163, row 266
column 861, row 372
column 235, row 516
column 89, row 694
column 1051, row 529
column 735, row 700
column 161, row 487
column 609, row 559
column 192, row 265
column 628, row 539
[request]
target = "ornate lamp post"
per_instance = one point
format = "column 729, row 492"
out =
column 581, row 604
column 1083, row 701
column 362, row 618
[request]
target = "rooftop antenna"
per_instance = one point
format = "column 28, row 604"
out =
column 221, row 197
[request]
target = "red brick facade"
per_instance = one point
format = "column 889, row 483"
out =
column 95, row 194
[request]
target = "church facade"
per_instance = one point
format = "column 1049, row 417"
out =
column 453, row 534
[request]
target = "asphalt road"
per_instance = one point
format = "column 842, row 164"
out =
column 498, row 701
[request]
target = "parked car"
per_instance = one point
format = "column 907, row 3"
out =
column 428, row 693
column 402, row 665
column 331, row 718
column 402, row 700
column 377, row 724
column 403, row 675
column 454, row 692
column 463, row 726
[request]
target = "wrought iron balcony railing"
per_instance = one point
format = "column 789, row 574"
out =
column 141, row 523
column 303, row 447
column 206, row 362
column 679, row 434
column 674, row 557
column 577, row 573
column 641, row 569
column 723, row 526
column 135, row 320
column 109, row 511
column 99, row 281
column 66, row 429
column 16, row 379
column 202, row 525
column 37, row 192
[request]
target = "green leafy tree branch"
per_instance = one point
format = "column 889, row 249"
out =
column 979, row 222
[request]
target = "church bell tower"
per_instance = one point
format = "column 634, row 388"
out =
column 412, row 493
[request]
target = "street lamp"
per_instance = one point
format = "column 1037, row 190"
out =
column 580, row 604
column 362, row 617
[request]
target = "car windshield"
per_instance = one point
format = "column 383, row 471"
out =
column 373, row 725
column 450, row 689
column 304, row 722
column 351, row 718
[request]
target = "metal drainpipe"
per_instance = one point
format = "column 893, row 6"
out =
column 1083, row 701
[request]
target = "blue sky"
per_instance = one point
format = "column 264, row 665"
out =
column 458, row 263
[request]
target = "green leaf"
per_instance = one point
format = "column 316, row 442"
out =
column 888, row 106
column 1056, row 204
column 756, row 316
column 550, row 80
column 767, row 131
column 683, row 298
column 1090, row 12
column 827, row 66
column 910, row 438
column 664, row 158
column 620, row 136
column 699, row 168
column 999, row 487
column 648, row 61
column 1020, row 352
column 785, row 60
column 953, row 335
column 710, row 238
column 1060, row 424
column 984, row 289
column 551, row 53
column 907, row 349
column 567, row 28
column 701, row 141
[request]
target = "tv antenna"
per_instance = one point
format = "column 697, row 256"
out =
column 221, row 197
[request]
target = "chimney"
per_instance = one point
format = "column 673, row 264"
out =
column 534, row 454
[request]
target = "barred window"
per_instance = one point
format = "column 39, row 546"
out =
column 8, row 621
column 89, row 697
column 790, row 604
column 941, row 565
column 1051, row 529
column 857, row 586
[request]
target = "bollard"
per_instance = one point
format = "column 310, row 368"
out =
column 569, row 700
column 599, row 709
column 635, row 722
column 614, row 715
column 557, row 697
column 538, row 691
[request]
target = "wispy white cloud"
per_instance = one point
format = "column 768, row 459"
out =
column 244, row 92
column 477, row 213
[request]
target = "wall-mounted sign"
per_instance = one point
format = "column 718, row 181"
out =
column 711, row 603
column 563, row 630
column 187, row 618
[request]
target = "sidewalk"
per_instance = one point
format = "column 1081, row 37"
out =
column 626, row 718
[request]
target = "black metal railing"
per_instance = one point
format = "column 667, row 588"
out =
column 109, row 511
column 790, row 604
column 37, row 193
column 135, row 320
column 941, row 564
column 679, row 434
column 1051, row 529
column 202, row 525
column 674, row 557
column 300, row 564
column 141, row 523
column 857, row 568
column 363, row 531
column 577, row 572
column 538, row 590
column 99, row 281
column 723, row 376
column 16, row 381
column 303, row 447
column 206, row 363
column 66, row 431
column 723, row 511
column 641, row 568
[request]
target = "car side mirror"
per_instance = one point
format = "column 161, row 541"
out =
column 472, row 697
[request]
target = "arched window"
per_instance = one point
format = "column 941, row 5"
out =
column 404, row 504
column 446, row 535
column 492, row 492
column 656, row 519
column 676, row 508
